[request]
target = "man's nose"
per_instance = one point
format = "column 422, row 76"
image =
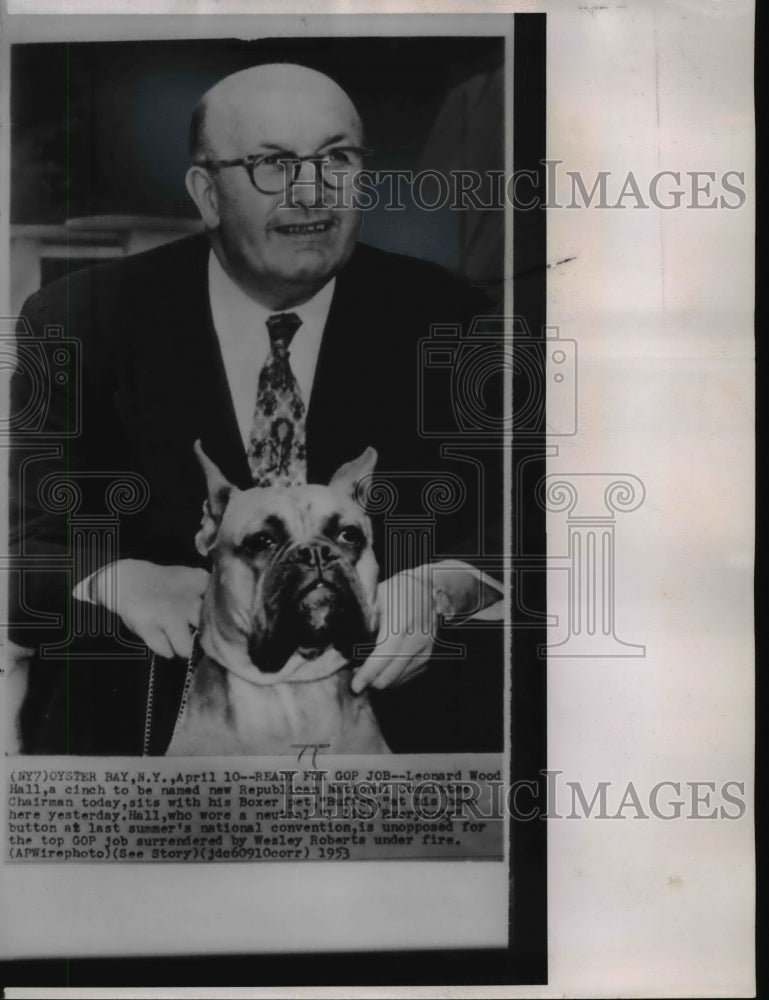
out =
column 306, row 188
column 317, row 554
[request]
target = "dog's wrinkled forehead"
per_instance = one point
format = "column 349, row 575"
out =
column 302, row 512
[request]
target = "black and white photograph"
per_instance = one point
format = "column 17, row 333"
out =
column 377, row 501
column 170, row 604
column 260, row 497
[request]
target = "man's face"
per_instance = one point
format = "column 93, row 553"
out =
column 283, row 247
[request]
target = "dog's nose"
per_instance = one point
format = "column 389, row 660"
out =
column 319, row 555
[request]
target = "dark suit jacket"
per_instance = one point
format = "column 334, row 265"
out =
column 145, row 379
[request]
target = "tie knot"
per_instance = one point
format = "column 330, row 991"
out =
column 282, row 328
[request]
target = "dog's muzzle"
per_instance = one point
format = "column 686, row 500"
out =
column 313, row 600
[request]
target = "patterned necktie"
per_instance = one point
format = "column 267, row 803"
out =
column 276, row 452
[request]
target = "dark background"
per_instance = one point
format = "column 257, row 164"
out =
column 101, row 128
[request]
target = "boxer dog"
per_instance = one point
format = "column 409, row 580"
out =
column 292, row 593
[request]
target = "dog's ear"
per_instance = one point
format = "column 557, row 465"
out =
column 346, row 478
column 219, row 492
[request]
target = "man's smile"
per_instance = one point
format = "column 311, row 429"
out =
column 304, row 228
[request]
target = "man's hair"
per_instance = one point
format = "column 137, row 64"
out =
column 199, row 144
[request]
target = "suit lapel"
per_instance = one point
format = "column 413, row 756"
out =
column 173, row 390
column 187, row 369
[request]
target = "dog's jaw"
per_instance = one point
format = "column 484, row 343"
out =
column 230, row 650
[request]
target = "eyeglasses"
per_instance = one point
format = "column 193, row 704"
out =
column 274, row 173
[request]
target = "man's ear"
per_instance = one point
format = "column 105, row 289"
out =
column 219, row 492
column 201, row 188
column 347, row 477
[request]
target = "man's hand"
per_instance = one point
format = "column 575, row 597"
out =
column 406, row 631
column 411, row 603
column 158, row 603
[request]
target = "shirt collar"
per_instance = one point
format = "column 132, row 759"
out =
column 231, row 304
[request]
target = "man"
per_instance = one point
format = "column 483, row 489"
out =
column 177, row 344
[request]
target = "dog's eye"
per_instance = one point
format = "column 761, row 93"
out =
column 351, row 536
column 260, row 541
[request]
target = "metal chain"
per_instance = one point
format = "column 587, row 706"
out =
column 151, row 694
column 148, row 710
